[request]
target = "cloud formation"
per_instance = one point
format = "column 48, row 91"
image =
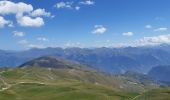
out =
column 148, row 26
column 73, row 5
column 27, row 44
column 162, row 29
column 42, row 39
column 40, row 12
column 35, row 46
column 154, row 40
column 128, row 34
column 18, row 34
column 8, row 7
column 87, row 2
column 25, row 14
column 27, row 21
column 99, row 29
column 73, row 44
column 60, row 5
column 4, row 22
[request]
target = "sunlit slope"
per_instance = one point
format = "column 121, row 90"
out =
column 59, row 84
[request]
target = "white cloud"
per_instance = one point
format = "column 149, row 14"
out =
column 11, row 24
column 162, row 29
column 40, row 12
column 99, row 29
column 18, row 34
column 128, row 34
column 73, row 5
column 63, row 5
column 77, row 8
column 25, row 14
column 154, row 40
column 73, row 44
column 4, row 22
column 148, row 26
column 35, row 46
column 27, row 44
column 8, row 7
column 87, row 2
column 42, row 39
column 27, row 21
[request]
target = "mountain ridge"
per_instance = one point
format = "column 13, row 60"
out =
column 109, row 60
column 161, row 73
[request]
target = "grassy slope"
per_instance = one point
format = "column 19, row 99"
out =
column 59, row 84
column 155, row 94
column 65, row 84
column 62, row 91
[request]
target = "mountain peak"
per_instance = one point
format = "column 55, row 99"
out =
column 51, row 62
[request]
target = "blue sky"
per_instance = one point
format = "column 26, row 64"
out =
column 27, row 24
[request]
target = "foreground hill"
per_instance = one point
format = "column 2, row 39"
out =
column 60, row 84
column 65, row 80
column 86, row 74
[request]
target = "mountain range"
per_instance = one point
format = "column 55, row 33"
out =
column 161, row 74
column 49, row 77
column 110, row 60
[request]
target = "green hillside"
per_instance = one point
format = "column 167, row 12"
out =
column 155, row 94
column 58, row 84
column 65, row 80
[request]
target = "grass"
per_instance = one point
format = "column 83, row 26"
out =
column 62, row 91
column 155, row 94
column 66, row 84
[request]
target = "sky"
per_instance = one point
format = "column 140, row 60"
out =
column 26, row 24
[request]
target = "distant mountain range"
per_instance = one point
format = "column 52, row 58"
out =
column 110, row 60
